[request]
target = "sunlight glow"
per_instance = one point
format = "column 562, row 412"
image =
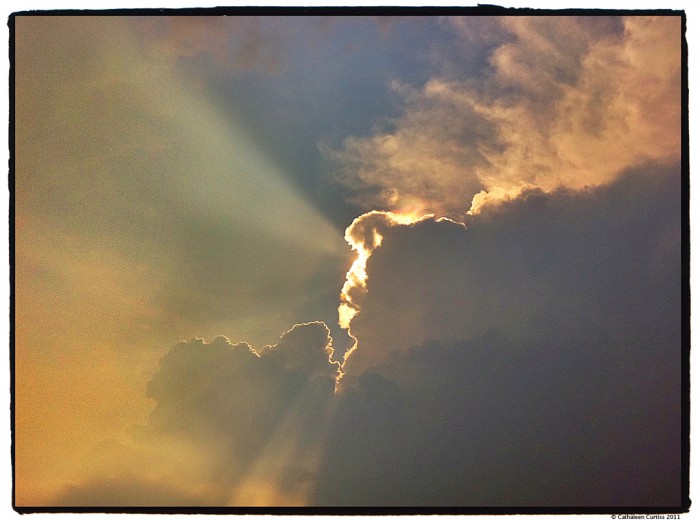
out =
column 364, row 237
column 496, row 195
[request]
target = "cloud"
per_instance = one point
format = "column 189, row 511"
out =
column 297, row 351
column 532, row 359
column 364, row 235
column 422, row 162
column 234, row 393
column 527, row 268
column 568, row 102
column 224, row 418
column 495, row 422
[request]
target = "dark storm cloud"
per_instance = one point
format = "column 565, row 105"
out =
column 548, row 262
column 492, row 421
column 532, row 359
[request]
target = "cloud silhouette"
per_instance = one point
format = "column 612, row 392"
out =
column 545, row 262
column 222, row 413
column 531, row 359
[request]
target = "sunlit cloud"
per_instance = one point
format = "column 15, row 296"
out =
column 566, row 103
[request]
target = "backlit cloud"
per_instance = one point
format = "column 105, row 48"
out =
column 515, row 269
column 364, row 235
column 496, row 361
column 225, row 419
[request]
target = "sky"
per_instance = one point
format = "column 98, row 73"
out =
column 318, row 261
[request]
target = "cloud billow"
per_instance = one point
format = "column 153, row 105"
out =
column 224, row 416
column 565, row 102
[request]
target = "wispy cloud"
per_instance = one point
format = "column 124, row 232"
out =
column 564, row 103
